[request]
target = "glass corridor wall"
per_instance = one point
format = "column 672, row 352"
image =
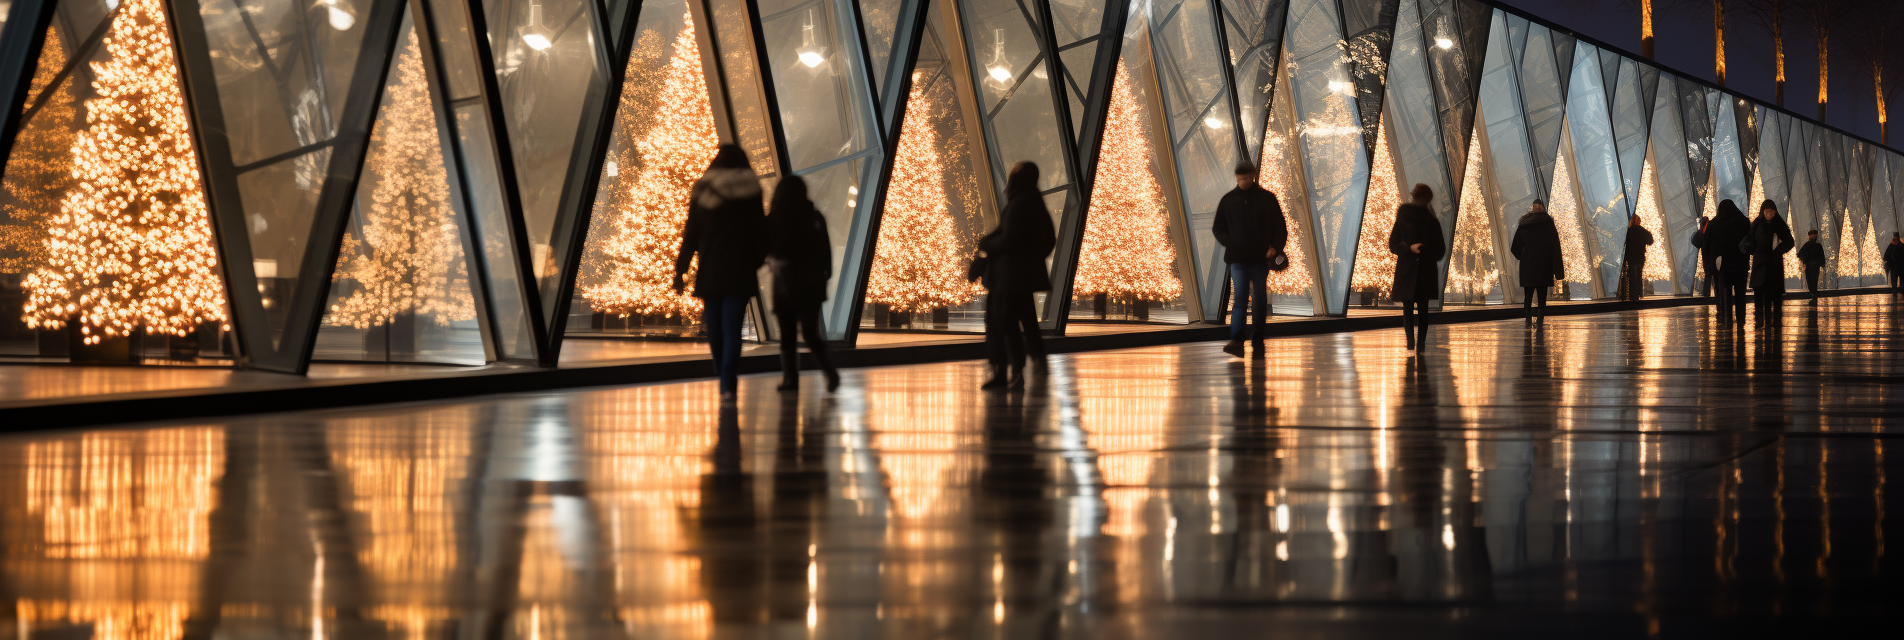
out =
column 471, row 181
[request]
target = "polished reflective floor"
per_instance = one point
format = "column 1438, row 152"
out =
column 1616, row 475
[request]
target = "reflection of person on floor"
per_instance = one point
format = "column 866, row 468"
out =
column 1419, row 247
column 1770, row 239
column 1633, row 278
column 801, row 258
column 726, row 228
column 1249, row 224
column 1537, row 246
column 1014, row 270
column 1894, row 262
column 1730, row 266
column 1812, row 256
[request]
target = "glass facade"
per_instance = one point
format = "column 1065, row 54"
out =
column 473, row 181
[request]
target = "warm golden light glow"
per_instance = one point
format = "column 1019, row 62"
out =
column 1872, row 257
column 1718, row 41
column 37, row 173
column 1848, row 256
column 1374, row 264
column 649, row 211
column 1565, row 209
column 1127, row 252
column 1275, row 176
column 1657, row 267
column 1472, row 268
column 403, row 492
column 1646, row 29
column 918, row 264
column 131, row 247
column 409, row 257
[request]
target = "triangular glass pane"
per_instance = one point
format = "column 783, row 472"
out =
column 1517, row 30
column 1457, row 34
column 879, row 22
column 1610, row 70
column 1676, row 193
column 1696, row 127
column 1603, row 202
column 1730, row 179
column 1883, row 210
column 1374, row 263
column 1335, row 168
column 1370, row 29
column 1543, row 87
column 1629, row 117
column 1474, row 275
column 1077, row 75
column 1075, row 20
column 1746, row 120
column 1416, row 146
column 1292, row 290
column 1575, row 232
column 401, row 292
column 1800, row 210
column 1512, row 181
column 1649, row 87
column 1256, row 32
column 1127, row 264
column 1657, row 272
column 1565, row 47
column 1768, row 182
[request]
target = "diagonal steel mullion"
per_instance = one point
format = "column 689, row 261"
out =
column 81, row 53
column 908, row 34
column 1229, row 89
column 423, row 19
column 1081, row 152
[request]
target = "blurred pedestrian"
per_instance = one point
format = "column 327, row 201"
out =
column 1013, row 268
column 1812, row 256
column 1894, row 263
column 1537, row 246
column 1419, row 247
column 801, row 259
column 726, row 228
column 1249, row 224
column 1731, row 267
column 1769, row 241
column 1705, row 257
column 1633, row 281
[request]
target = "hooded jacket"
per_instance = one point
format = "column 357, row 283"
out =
column 1537, row 245
column 1015, row 251
column 801, row 254
column 1771, row 239
column 726, row 229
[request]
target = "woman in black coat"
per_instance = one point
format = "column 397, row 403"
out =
column 1013, row 270
column 801, row 258
column 1771, row 239
column 1894, row 263
column 1721, row 240
column 1537, row 247
column 727, row 229
column 1419, row 247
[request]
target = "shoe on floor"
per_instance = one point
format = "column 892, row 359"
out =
column 1235, row 348
column 832, row 381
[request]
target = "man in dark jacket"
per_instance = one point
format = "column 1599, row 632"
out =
column 1249, row 224
column 1014, row 270
column 1894, row 262
column 1730, row 268
column 1705, row 257
column 1812, row 255
column 1537, row 246
column 1770, row 239
column 1633, row 285
column 1419, row 247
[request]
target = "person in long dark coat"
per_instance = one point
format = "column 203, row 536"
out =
column 1249, row 224
column 726, row 227
column 1013, row 270
column 1730, row 267
column 1633, row 273
column 801, row 259
column 1811, row 255
column 1705, row 257
column 1537, row 246
column 1419, row 247
column 1770, row 240
column 1894, row 263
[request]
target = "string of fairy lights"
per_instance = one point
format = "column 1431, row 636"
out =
column 1472, row 268
column 37, row 175
column 1374, row 263
column 1127, row 252
column 1657, row 267
column 918, row 263
column 1564, row 207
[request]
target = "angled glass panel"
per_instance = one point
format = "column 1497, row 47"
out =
column 61, row 237
column 1455, row 33
column 1696, row 127
column 1576, row 233
column 1850, row 268
column 1474, row 273
column 1077, row 25
column 1675, row 190
column 1189, row 66
column 1255, row 32
column 1369, row 26
column 1293, row 291
column 1543, row 87
column 1801, row 211
column 1837, row 181
column 401, row 292
column 1603, row 202
column 1416, row 152
column 938, row 204
column 879, row 22
column 1629, row 114
column 745, row 88
column 1514, row 182
column 1373, row 281
column 1748, row 118
column 1335, row 169
column 1128, row 266
column 1657, row 273
column 1883, row 213
column 1195, row 93
column 1730, row 179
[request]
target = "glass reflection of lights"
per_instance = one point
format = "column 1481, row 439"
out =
column 810, row 52
column 342, row 18
column 998, row 72
column 534, row 34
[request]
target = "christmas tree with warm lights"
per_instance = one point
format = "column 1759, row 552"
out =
column 917, row 264
column 1374, row 263
column 409, row 258
column 131, row 247
column 37, row 173
column 1848, row 256
column 649, row 214
column 1127, row 254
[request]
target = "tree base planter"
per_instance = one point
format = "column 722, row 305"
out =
column 109, row 349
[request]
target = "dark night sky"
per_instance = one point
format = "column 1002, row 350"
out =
column 1683, row 43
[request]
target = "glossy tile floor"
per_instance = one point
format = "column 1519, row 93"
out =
column 1617, row 475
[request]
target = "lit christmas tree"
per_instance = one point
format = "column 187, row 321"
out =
column 1127, row 253
column 1565, row 210
column 917, row 265
column 1471, row 266
column 633, row 118
column 1848, row 255
column 650, row 213
column 1657, row 266
column 410, row 244
column 1873, row 258
column 132, row 244
column 1274, row 176
column 1374, row 264
column 37, row 175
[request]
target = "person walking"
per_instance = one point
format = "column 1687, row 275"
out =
column 1894, row 263
column 1537, row 246
column 1013, row 268
column 1419, row 247
column 1249, row 224
column 726, row 228
column 800, row 257
column 1633, row 280
column 1731, row 268
column 1705, row 257
column 1769, row 241
column 1812, row 256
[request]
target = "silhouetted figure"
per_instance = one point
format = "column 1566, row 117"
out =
column 1894, row 263
column 801, row 258
column 1770, row 239
column 1537, row 246
column 1705, row 257
column 1633, row 275
column 1812, row 256
column 1249, row 224
column 1730, row 266
column 1014, row 269
column 1419, row 247
column 726, row 228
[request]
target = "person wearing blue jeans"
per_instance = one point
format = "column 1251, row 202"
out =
column 1249, row 224
column 726, row 228
column 724, row 317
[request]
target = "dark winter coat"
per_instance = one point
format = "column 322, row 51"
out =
column 1248, row 223
column 1721, row 241
column 1771, row 240
column 1812, row 254
column 1015, row 251
column 1417, row 274
column 727, row 229
column 1537, row 246
column 801, row 256
column 1637, row 240
column 1894, row 258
